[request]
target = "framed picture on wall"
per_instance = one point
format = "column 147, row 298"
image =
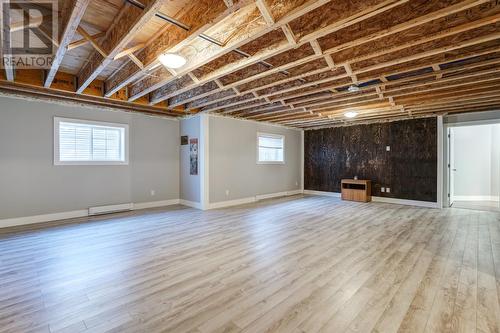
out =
column 193, row 156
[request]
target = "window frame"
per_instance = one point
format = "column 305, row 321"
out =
column 57, row 160
column 271, row 135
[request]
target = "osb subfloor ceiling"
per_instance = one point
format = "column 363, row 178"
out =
column 293, row 62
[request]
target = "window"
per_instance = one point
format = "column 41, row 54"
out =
column 270, row 148
column 82, row 142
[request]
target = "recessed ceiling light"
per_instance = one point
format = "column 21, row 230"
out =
column 353, row 88
column 172, row 60
column 350, row 114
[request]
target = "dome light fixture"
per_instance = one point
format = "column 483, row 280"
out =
column 172, row 60
column 351, row 114
column 353, row 88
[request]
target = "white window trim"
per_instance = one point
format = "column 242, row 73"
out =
column 58, row 120
column 277, row 136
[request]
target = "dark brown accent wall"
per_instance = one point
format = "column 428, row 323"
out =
column 409, row 169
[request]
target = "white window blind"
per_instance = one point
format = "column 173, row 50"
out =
column 270, row 148
column 81, row 142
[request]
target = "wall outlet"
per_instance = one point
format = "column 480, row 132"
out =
column 382, row 189
column 153, row 193
column 388, row 148
column 296, row 183
column 227, row 193
column 388, row 190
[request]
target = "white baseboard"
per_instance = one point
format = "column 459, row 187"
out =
column 296, row 192
column 381, row 199
column 100, row 210
column 18, row 221
column 229, row 203
column 427, row 204
column 192, row 204
column 248, row 200
column 328, row 194
column 155, row 204
column 475, row 198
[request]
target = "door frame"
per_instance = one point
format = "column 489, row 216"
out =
column 444, row 173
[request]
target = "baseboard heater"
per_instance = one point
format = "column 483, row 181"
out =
column 101, row 210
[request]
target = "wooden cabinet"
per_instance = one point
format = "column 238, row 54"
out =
column 356, row 190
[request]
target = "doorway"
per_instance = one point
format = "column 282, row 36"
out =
column 474, row 167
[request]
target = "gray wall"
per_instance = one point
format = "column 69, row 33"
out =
column 30, row 184
column 233, row 160
column 477, row 150
column 190, row 184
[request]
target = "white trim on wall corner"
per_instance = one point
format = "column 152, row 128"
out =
column 440, row 161
column 405, row 202
column 25, row 220
column 204, row 160
column 191, row 204
column 475, row 198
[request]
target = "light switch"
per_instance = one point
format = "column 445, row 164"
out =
column 388, row 148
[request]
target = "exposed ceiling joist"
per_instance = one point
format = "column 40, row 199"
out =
column 129, row 22
column 200, row 16
column 279, row 47
column 407, row 25
column 71, row 23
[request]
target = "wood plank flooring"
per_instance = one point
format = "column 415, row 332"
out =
column 301, row 264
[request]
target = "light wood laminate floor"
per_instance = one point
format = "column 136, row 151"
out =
column 301, row 264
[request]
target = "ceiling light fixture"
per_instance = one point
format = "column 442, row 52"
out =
column 172, row 60
column 353, row 88
column 350, row 114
